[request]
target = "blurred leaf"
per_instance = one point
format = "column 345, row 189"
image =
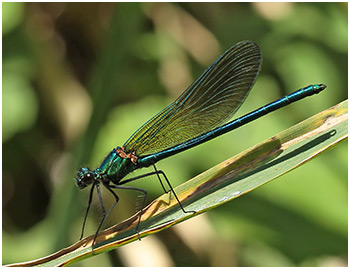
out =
column 118, row 53
column 19, row 104
column 12, row 14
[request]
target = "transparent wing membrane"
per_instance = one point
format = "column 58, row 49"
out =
column 208, row 103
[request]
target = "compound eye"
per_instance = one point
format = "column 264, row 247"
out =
column 88, row 178
column 84, row 177
column 81, row 184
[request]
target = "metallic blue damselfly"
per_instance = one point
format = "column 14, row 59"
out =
column 199, row 114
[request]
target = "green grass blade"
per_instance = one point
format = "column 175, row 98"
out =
column 220, row 184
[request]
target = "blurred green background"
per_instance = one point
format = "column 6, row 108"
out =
column 79, row 79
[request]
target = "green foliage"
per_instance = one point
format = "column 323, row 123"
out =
column 80, row 78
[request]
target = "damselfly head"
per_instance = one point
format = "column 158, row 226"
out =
column 85, row 177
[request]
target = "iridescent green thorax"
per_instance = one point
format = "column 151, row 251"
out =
column 115, row 167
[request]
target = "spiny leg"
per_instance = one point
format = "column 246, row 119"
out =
column 157, row 172
column 161, row 182
column 115, row 196
column 103, row 212
column 87, row 210
column 103, row 208
column 171, row 188
column 143, row 202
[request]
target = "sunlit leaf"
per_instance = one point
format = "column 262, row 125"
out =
column 220, row 184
